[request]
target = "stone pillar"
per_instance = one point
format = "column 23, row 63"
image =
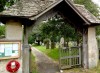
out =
column 93, row 51
column 13, row 30
column 90, row 49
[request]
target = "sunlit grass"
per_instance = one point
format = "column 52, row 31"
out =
column 53, row 53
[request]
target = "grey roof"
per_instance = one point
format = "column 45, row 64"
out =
column 86, row 14
column 28, row 7
column 35, row 7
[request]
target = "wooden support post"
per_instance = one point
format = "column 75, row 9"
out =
column 85, row 49
column 25, row 51
column 30, row 60
column 25, row 58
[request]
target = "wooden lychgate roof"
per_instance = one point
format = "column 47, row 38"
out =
column 75, row 14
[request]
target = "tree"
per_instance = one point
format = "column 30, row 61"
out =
column 55, row 28
column 2, row 30
column 2, row 4
column 6, row 3
column 98, row 32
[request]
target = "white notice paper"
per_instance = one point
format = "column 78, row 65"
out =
column 15, row 46
column 15, row 54
column 1, row 48
column 8, row 51
column 8, row 45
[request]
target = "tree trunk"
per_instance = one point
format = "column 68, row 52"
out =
column 38, row 42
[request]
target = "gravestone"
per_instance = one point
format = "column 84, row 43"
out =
column 62, row 42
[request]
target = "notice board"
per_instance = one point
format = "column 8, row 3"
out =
column 10, row 49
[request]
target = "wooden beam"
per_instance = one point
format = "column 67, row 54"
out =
column 46, row 10
column 85, row 49
column 45, row 16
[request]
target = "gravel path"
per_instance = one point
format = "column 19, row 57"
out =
column 44, row 63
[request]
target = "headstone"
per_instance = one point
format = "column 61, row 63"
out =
column 61, row 42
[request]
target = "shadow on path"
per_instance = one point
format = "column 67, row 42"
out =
column 44, row 63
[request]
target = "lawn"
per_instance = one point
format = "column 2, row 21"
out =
column 54, row 54
column 33, row 64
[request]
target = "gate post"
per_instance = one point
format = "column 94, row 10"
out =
column 85, row 49
column 25, row 50
column 25, row 58
column 90, row 49
column 93, row 51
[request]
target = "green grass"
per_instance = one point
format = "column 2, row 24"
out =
column 52, row 53
column 33, row 64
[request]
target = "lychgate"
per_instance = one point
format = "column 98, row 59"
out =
column 30, row 12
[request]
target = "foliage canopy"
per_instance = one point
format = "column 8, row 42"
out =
column 5, row 3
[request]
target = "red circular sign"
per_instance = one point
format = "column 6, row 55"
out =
column 12, row 66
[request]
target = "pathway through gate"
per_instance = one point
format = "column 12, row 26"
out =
column 44, row 63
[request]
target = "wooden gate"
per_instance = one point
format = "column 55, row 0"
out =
column 69, row 57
